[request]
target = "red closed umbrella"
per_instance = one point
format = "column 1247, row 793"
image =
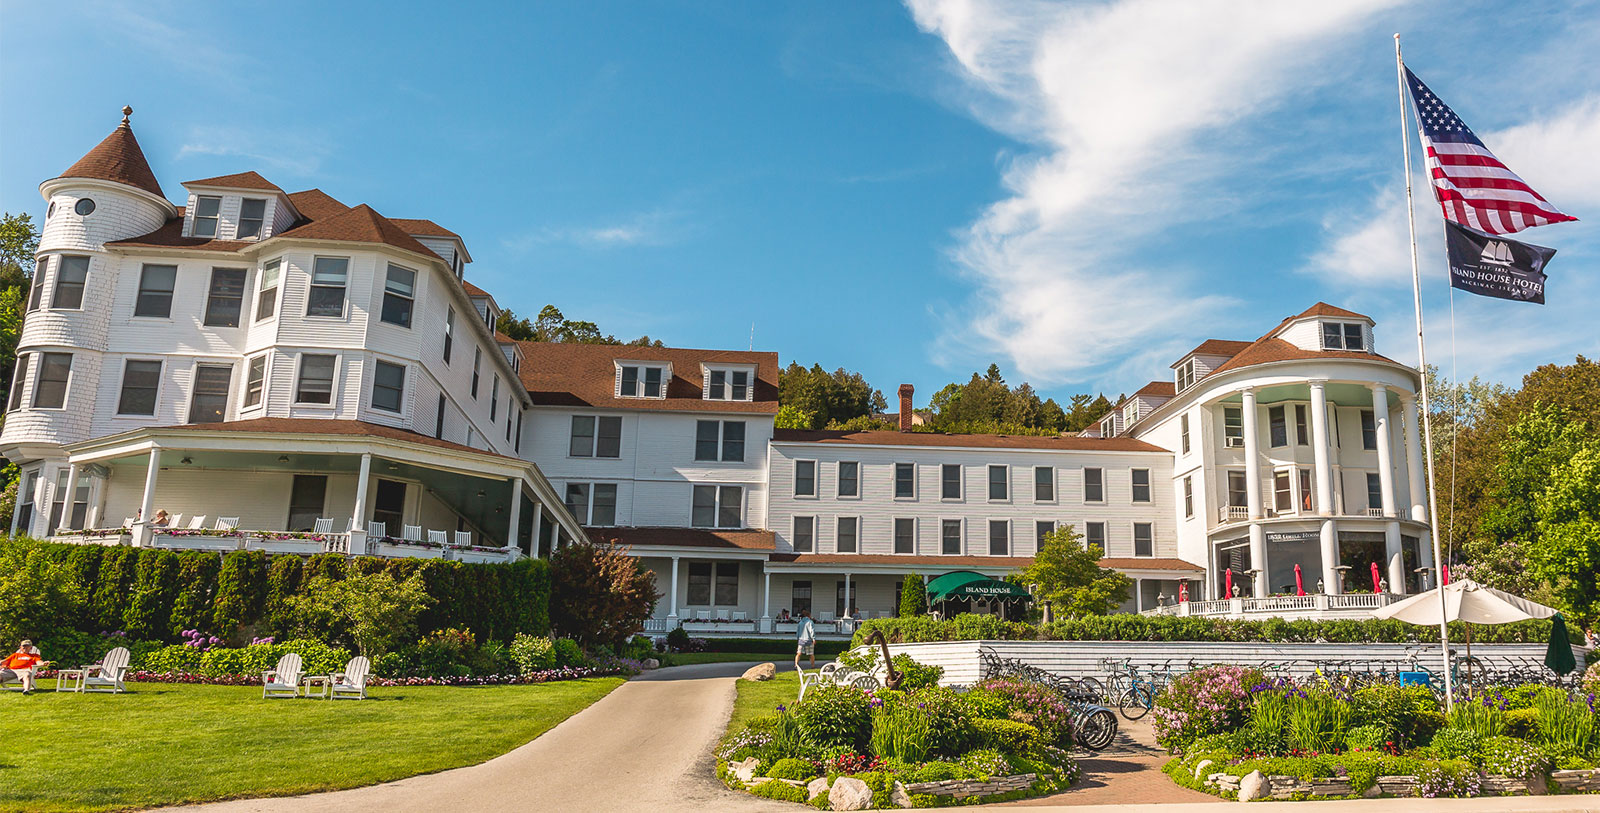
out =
column 1376, row 579
column 1299, row 585
column 1446, row 574
column 1227, row 583
column 1183, row 592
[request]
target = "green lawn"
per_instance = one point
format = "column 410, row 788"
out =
column 757, row 698
column 163, row 744
column 685, row 658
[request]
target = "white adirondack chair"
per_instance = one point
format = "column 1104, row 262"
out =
column 175, row 521
column 377, row 530
column 825, row 617
column 127, row 522
column 227, row 523
column 107, row 675
column 702, row 615
column 722, row 615
column 196, row 524
column 463, row 538
column 411, row 533
column 283, row 681
column 323, row 525
column 438, row 537
column 352, row 682
column 739, row 615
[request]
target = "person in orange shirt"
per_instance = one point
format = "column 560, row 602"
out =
column 20, row 665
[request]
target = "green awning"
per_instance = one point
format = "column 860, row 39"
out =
column 967, row 584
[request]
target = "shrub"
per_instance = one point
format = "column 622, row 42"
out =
column 174, row 658
column 599, row 593
column 949, row 718
column 38, row 596
column 241, row 587
column 900, row 732
column 1205, row 701
column 782, row 791
column 1591, row 678
column 984, row 763
column 492, row 658
column 677, row 639
column 791, row 768
column 283, row 582
column 155, row 587
column 936, row 771
column 1411, row 712
column 378, row 611
column 568, row 653
column 113, row 583
column 834, row 716
column 913, row 597
column 1447, row 778
column 1483, row 714
column 1457, row 743
column 532, row 653
column 1008, row 736
column 1371, row 737
column 446, row 652
column 197, row 578
column 1035, row 704
column 914, row 675
column 1522, row 723
column 1317, row 721
column 316, row 657
column 1515, row 758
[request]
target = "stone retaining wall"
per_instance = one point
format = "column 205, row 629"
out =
column 981, row 788
column 1286, row 787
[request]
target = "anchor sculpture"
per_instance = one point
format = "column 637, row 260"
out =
column 893, row 678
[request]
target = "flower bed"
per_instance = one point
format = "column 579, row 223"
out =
column 1235, row 734
column 920, row 746
column 542, row 676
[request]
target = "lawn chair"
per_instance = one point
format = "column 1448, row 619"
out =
column 105, row 676
column 439, row 538
column 196, row 524
column 463, row 539
column 352, row 682
column 175, row 521
column 323, row 525
column 411, row 533
column 127, row 522
column 702, row 615
column 722, row 615
column 377, row 530
column 283, row 681
column 227, row 523
column 739, row 615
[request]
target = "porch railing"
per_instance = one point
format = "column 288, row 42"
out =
column 1357, row 601
column 1234, row 513
column 1272, row 604
column 1218, row 607
column 655, row 625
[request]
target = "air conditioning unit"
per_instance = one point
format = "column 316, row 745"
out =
column 1234, row 443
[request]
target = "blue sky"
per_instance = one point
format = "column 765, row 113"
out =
column 1079, row 192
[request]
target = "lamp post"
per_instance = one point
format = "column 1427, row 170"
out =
column 1343, row 569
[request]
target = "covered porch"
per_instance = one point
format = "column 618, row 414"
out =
column 307, row 487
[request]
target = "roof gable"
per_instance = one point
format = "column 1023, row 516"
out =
column 315, row 204
column 238, row 180
column 117, row 158
column 584, row 375
column 360, row 224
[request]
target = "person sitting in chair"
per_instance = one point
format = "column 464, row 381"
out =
column 21, row 665
column 783, row 616
column 162, row 520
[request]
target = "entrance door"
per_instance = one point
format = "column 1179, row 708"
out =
column 389, row 506
column 800, row 598
column 306, row 500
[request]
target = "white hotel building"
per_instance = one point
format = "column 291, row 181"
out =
column 318, row 377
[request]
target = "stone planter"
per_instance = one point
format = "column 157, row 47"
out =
column 1286, row 787
column 968, row 788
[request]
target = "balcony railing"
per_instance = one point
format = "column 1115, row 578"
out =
column 287, row 542
column 1357, row 601
column 1348, row 605
column 1272, row 604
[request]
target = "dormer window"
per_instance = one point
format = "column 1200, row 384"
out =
column 1130, row 414
column 252, row 213
column 1185, row 375
column 641, row 381
column 727, row 385
column 206, row 212
column 1343, row 336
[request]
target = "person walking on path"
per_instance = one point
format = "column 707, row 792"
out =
column 805, row 640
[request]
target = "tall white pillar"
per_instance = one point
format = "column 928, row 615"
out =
column 538, row 529
column 766, row 600
column 1138, row 595
column 1328, row 539
column 358, row 517
column 1258, row 561
column 1252, row 455
column 672, row 611
column 847, row 594
column 16, row 505
column 516, row 511
column 1414, row 462
column 147, row 503
column 69, row 498
column 1319, row 448
column 1393, row 552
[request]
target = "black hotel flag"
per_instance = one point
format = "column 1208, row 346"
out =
column 1490, row 265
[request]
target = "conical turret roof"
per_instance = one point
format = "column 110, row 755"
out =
column 119, row 159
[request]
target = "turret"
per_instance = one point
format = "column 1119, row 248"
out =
column 108, row 194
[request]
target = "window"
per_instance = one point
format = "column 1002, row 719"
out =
column 1342, row 336
column 706, row 434
column 717, row 507
column 388, row 386
column 1185, row 375
column 1282, row 500
column 849, row 478
column 905, row 481
column 1238, row 491
column 596, row 437
column 1144, row 541
column 18, row 381
column 727, row 592
column 140, row 380
column 71, row 273
column 252, row 211
column 700, row 583
column 316, row 379
column 1369, row 430
column 1094, row 535
column 389, row 505
column 950, row 481
column 728, row 385
column 805, row 478
column 950, row 537
column 999, row 537
column 1044, row 484
column 1183, row 432
column 25, row 502
column 1233, row 427
column 999, row 485
column 328, row 277
column 36, row 291
column 449, row 332
column 905, row 535
column 210, row 401
column 1278, row 423
column 438, row 418
column 1188, row 496
column 1307, row 501
column 399, row 293
column 517, row 444
column 206, row 209
column 494, row 398
column 577, row 500
column 640, row 382
column 477, row 364
column 1041, row 529
column 1141, row 485
column 84, row 206
column 805, row 532
column 604, row 509
column 800, row 598
column 225, row 300
column 51, row 390
column 267, row 289
column 1301, row 430
column 59, row 501
column 1374, row 491
column 849, row 529
column 1094, row 485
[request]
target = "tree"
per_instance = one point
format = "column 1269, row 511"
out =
column 551, row 325
column 19, row 242
column 1067, row 574
column 38, row 595
column 379, row 611
column 913, row 597
column 830, row 398
column 792, row 417
column 1566, row 553
column 599, row 594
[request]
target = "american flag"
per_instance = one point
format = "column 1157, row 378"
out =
column 1473, row 188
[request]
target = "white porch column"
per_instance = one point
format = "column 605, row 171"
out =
column 1138, row 595
column 538, row 529
column 16, row 505
column 1328, row 533
column 847, row 594
column 1258, row 561
column 516, row 511
column 766, row 600
column 68, row 498
column 1391, row 531
column 147, row 503
column 1252, row 455
column 672, row 611
column 1414, row 461
column 358, row 517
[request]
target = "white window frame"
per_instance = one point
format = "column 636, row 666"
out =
column 1133, row 530
column 1133, row 486
column 311, row 285
column 836, row 521
column 161, row 376
column 1344, row 336
column 588, row 510
column 384, row 293
column 261, row 227
column 19, row 382
column 1188, row 496
column 1102, row 471
column 1184, row 376
column 794, row 521
column 816, row 470
column 1228, row 435
column 55, row 282
column 1105, row 536
column 961, row 482
column 709, row 393
column 333, row 395
column 838, row 479
column 961, row 536
column 988, row 537
column 1183, row 432
column 194, row 386
column 894, row 480
column 1055, row 486
column 716, row 505
column 1038, row 538
column 639, row 381
column 894, row 535
column 266, row 381
column 594, row 439
column 66, row 388
column 216, row 219
column 276, row 290
column 372, row 392
column 988, row 483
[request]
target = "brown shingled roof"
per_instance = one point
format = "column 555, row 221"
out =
column 584, row 375
column 117, row 158
column 1152, row 564
column 752, row 539
column 1160, row 389
column 332, row 426
column 1268, row 350
column 951, row 562
column 360, row 224
column 1214, row 347
column 426, row 228
column 473, row 290
column 170, row 235
column 942, row 440
column 238, row 180
column 315, row 204
column 1324, row 309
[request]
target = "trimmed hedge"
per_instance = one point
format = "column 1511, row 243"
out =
column 770, row 646
column 155, row 594
column 1131, row 627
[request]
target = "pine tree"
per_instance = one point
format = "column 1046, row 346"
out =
column 913, row 597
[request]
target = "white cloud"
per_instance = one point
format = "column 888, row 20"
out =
column 1126, row 103
column 297, row 152
column 657, row 227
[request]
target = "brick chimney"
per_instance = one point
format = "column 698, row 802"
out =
column 905, row 407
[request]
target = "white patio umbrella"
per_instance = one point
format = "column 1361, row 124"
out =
column 1467, row 601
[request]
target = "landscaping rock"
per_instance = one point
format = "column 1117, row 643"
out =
column 899, row 796
column 849, row 793
column 650, row 663
column 1372, row 792
column 745, row 769
column 1398, row 785
column 1253, row 786
column 764, row 671
column 1200, row 770
column 817, row 787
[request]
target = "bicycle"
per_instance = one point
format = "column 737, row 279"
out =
column 1140, row 696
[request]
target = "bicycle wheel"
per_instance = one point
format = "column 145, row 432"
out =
column 1097, row 729
column 1094, row 689
column 1136, row 702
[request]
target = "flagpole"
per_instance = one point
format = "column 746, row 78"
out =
column 1422, row 370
